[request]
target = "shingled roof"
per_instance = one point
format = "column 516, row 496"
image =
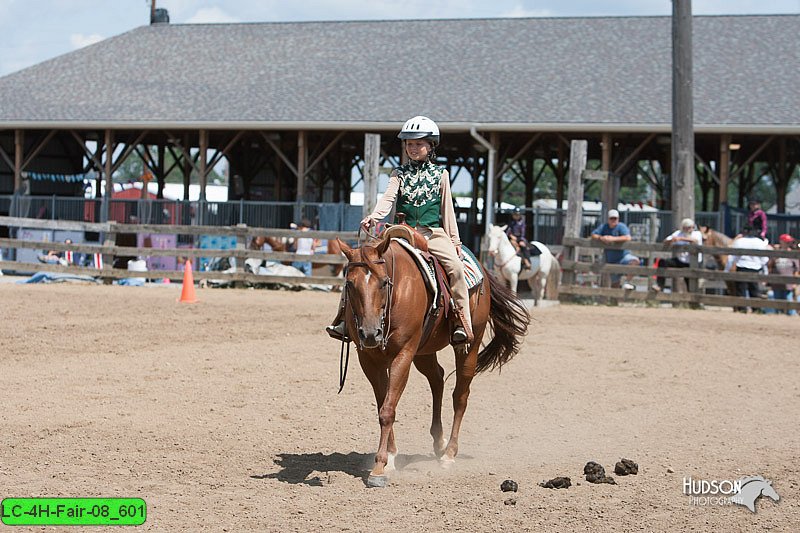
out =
column 513, row 74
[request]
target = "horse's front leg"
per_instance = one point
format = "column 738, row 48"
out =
column 378, row 376
column 513, row 279
column 387, row 450
column 430, row 368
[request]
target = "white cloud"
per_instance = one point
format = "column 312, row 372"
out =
column 210, row 15
column 79, row 40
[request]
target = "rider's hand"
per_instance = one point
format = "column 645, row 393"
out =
column 459, row 251
column 367, row 223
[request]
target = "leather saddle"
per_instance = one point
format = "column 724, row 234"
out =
column 416, row 239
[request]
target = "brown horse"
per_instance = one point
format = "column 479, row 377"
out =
column 386, row 309
column 715, row 238
column 278, row 245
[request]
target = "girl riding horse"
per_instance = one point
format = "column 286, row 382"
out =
column 420, row 189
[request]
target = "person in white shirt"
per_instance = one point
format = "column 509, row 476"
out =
column 682, row 237
column 751, row 240
column 304, row 246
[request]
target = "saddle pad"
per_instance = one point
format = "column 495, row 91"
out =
column 472, row 269
column 430, row 277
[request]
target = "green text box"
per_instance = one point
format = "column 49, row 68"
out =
column 73, row 511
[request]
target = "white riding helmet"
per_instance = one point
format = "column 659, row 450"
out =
column 420, row 127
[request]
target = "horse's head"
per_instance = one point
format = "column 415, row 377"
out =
column 368, row 288
column 496, row 235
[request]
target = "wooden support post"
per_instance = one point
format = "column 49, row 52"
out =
column 187, row 167
column 609, row 192
column 372, row 151
column 108, row 193
column 300, row 192
column 529, row 214
column 19, row 148
column 572, row 227
column 160, row 174
column 682, row 112
column 203, row 161
column 724, row 173
column 560, row 176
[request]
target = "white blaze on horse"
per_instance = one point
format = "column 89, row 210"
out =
column 508, row 265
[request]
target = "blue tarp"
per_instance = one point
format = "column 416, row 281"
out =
column 54, row 277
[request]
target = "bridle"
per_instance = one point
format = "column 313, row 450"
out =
column 386, row 315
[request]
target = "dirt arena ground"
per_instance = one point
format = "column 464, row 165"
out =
column 224, row 416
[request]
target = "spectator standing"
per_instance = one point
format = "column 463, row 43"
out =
column 304, row 246
column 785, row 266
column 615, row 231
column 686, row 235
column 751, row 240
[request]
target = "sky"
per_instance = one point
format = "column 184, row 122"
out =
column 36, row 30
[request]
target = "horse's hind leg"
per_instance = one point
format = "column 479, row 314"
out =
column 466, row 361
column 430, row 368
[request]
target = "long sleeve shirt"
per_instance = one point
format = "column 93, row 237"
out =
column 449, row 225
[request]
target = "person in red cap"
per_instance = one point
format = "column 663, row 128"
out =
column 784, row 266
column 787, row 239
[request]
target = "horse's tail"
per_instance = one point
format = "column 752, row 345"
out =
column 553, row 279
column 509, row 319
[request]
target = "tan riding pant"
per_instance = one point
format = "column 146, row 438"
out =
column 440, row 245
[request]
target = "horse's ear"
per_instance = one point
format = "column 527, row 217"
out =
column 504, row 228
column 346, row 250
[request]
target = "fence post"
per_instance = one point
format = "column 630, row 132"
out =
column 240, row 255
column 572, row 228
column 108, row 259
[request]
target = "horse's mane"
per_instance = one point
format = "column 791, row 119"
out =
column 717, row 235
column 369, row 254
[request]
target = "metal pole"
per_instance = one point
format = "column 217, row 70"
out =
column 683, row 178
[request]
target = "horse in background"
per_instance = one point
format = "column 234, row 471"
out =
column 715, row 238
column 544, row 269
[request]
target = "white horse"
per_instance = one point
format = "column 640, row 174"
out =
column 507, row 264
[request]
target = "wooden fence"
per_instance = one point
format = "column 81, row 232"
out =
column 575, row 264
column 109, row 250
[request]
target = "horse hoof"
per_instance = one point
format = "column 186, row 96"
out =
column 446, row 462
column 376, row 481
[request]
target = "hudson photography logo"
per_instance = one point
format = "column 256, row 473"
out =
column 744, row 491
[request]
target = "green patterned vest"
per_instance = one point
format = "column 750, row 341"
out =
column 420, row 195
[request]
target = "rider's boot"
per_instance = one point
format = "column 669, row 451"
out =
column 463, row 332
column 338, row 329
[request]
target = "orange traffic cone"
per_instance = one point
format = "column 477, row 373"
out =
column 187, row 292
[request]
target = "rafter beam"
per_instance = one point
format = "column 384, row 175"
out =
column 280, row 153
column 633, row 155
